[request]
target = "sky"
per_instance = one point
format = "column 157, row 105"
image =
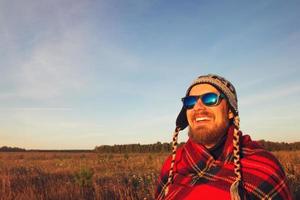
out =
column 77, row 74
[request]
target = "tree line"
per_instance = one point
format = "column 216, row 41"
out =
column 11, row 149
column 166, row 147
column 134, row 148
column 155, row 148
column 279, row 146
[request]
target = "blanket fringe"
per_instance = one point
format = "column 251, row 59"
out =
column 234, row 190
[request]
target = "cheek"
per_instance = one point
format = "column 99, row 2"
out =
column 189, row 115
column 222, row 116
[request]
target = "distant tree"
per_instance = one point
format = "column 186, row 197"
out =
column 11, row 149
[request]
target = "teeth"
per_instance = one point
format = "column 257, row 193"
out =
column 201, row 118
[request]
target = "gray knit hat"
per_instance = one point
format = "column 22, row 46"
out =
column 224, row 86
column 218, row 82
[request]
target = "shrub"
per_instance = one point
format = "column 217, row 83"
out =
column 84, row 177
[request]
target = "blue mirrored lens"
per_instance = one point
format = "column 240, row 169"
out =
column 209, row 99
column 189, row 101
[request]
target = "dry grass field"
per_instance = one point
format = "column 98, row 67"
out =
column 58, row 175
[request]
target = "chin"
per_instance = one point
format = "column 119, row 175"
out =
column 206, row 135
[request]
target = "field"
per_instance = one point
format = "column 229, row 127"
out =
column 58, row 175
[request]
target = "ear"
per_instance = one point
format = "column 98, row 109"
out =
column 230, row 114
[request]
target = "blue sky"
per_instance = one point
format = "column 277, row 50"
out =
column 76, row 74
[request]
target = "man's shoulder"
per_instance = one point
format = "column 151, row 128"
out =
column 256, row 157
column 178, row 155
column 262, row 172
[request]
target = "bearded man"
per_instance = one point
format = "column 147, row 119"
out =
column 218, row 161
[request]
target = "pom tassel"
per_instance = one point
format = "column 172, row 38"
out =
column 234, row 190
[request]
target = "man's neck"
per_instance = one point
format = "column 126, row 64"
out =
column 217, row 149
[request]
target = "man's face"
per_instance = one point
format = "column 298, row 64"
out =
column 207, row 125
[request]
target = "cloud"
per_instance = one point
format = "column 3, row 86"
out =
column 36, row 109
column 259, row 79
column 270, row 95
column 61, row 50
column 45, row 49
column 52, row 70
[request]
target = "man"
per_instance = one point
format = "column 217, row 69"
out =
column 217, row 161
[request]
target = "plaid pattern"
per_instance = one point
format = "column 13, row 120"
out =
column 198, row 175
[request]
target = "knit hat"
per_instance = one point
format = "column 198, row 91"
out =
column 228, row 90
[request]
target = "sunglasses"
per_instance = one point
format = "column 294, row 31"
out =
column 208, row 99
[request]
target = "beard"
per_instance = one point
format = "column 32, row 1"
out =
column 208, row 135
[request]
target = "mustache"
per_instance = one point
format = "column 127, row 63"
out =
column 203, row 113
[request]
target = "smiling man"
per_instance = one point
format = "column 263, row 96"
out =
column 218, row 161
column 207, row 125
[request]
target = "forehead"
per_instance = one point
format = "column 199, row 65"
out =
column 202, row 89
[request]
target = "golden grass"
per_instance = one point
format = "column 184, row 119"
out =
column 55, row 175
column 78, row 175
column 290, row 160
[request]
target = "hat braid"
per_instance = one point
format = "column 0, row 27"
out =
column 234, row 189
column 174, row 147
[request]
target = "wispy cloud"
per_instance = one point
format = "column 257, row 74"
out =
column 67, row 56
column 36, row 109
column 45, row 57
column 268, row 95
column 259, row 79
column 51, row 70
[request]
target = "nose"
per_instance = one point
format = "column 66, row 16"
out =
column 199, row 105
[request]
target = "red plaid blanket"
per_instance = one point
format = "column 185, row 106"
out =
column 197, row 175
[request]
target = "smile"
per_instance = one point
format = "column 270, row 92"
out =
column 202, row 119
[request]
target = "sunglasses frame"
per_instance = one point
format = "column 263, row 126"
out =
column 219, row 99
